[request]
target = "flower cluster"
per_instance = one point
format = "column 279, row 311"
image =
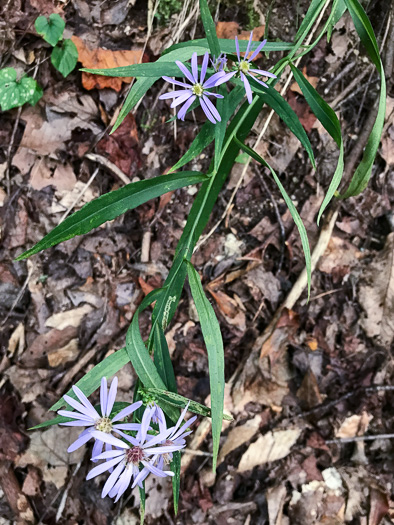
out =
column 197, row 89
column 142, row 449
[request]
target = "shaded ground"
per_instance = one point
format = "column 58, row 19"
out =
column 324, row 374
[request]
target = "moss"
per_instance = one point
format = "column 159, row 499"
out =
column 166, row 9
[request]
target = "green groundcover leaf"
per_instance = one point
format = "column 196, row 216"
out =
column 13, row 93
column 50, row 29
column 113, row 204
column 214, row 343
column 64, row 57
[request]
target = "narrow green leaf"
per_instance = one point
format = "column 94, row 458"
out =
column 162, row 360
column 142, row 503
column 227, row 45
column 64, row 57
column 181, row 402
column 150, row 69
column 210, row 29
column 51, row 29
column 214, row 343
column 313, row 12
column 175, row 466
column 140, row 358
column 141, row 86
column 339, row 11
column 365, row 32
column 92, row 380
column 330, row 122
column 294, row 213
column 286, row 113
column 113, row 204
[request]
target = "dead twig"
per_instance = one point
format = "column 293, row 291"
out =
column 113, row 168
column 80, row 195
column 358, row 438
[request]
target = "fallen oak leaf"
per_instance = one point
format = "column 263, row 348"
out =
column 101, row 58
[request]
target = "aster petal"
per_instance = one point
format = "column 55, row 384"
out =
column 176, row 82
column 214, row 80
column 257, row 50
column 127, row 426
column 208, row 114
column 181, row 99
column 77, row 423
column 204, row 67
column 185, row 107
column 108, row 454
column 103, row 467
column 184, row 427
column 260, row 82
column 212, row 108
column 165, row 449
column 112, row 479
column 180, row 420
column 262, row 72
column 248, row 90
column 194, row 68
column 174, row 94
column 185, row 71
column 127, row 411
column 97, row 449
column 237, row 49
column 145, row 422
column 103, row 395
column 157, row 472
column 108, row 438
column 76, row 415
column 111, row 396
column 135, row 442
column 225, row 78
column 162, row 420
column 216, row 95
column 124, row 482
column 78, row 406
column 141, row 476
column 82, row 439
column 85, row 401
column 250, row 41
column 154, row 440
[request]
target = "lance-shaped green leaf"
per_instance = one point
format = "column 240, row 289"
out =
column 111, row 205
column 330, row 122
column 145, row 70
column 365, row 32
column 140, row 358
column 294, row 213
column 285, row 112
column 92, row 380
column 181, row 402
column 162, row 360
column 175, row 466
column 141, row 86
column 210, row 29
column 313, row 12
column 339, row 11
column 214, row 343
column 227, row 45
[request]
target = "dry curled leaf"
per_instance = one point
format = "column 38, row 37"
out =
column 376, row 295
column 101, row 58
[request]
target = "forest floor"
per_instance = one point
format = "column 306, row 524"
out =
column 307, row 381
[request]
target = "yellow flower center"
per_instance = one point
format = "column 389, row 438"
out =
column 244, row 66
column 103, row 425
column 198, row 90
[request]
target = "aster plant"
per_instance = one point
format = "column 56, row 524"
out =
column 221, row 77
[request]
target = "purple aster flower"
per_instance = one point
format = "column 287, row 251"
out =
column 244, row 67
column 87, row 416
column 219, row 63
column 127, row 458
column 177, row 434
column 197, row 89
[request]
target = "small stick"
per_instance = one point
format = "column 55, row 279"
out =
column 109, row 165
column 63, row 501
column 358, row 438
column 80, row 195
column 7, row 171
